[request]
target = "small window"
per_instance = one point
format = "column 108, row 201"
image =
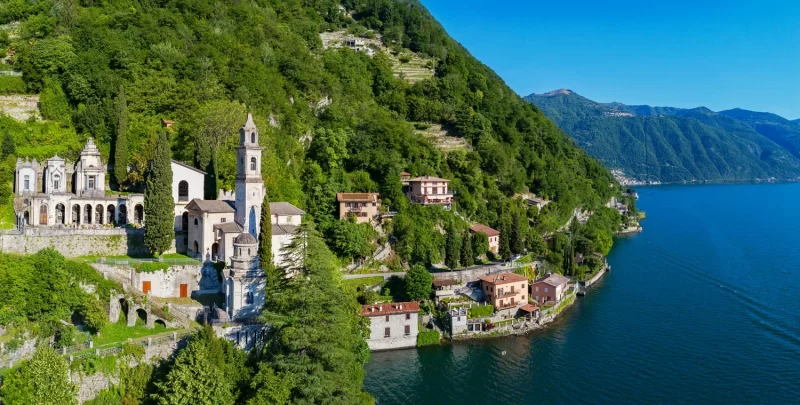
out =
column 537, row 289
column 183, row 191
column 387, row 318
column 195, row 221
column 387, row 332
column 408, row 330
column 253, row 137
column 545, row 289
column 92, row 180
column 56, row 182
column 253, row 164
column 27, row 184
column 408, row 317
column 224, row 219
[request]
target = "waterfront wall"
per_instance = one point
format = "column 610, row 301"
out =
column 597, row 276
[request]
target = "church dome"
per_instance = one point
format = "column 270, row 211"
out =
column 245, row 239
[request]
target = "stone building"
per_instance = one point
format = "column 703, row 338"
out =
column 214, row 224
column 392, row 326
column 364, row 207
column 244, row 280
column 56, row 193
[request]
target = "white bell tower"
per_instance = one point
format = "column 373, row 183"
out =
column 249, row 184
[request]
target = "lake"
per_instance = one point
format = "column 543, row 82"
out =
column 701, row 307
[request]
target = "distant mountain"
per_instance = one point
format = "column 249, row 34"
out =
column 669, row 144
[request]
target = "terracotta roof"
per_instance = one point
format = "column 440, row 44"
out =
column 405, row 174
column 215, row 206
column 284, row 208
column 428, row 178
column 475, row 228
column 444, row 282
column 554, row 279
column 389, row 309
column 529, row 308
column 360, row 197
column 503, row 278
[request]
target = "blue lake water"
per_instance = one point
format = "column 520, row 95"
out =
column 702, row 307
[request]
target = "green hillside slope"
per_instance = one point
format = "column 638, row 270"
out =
column 669, row 144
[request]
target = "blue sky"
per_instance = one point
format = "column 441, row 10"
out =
column 717, row 54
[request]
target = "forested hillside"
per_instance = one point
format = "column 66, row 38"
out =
column 331, row 120
column 670, row 144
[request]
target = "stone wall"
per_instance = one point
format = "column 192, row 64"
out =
column 75, row 242
column 473, row 274
column 167, row 283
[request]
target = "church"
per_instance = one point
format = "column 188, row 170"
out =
column 59, row 195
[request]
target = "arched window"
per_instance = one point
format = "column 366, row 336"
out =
column 56, row 182
column 253, row 164
column 183, row 191
column 87, row 214
column 98, row 214
column 76, row 214
column 122, row 217
column 138, row 213
column 195, row 221
column 60, row 213
column 111, row 213
column 43, row 214
column 253, row 137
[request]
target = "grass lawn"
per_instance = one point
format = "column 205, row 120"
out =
column 120, row 332
column 205, row 300
column 169, row 258
column 353, row 283
column 7, row 216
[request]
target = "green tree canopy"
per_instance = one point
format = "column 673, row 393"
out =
column 159, row 207
column 44, row 380
column 418, row 283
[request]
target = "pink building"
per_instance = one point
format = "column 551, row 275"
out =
column 505, row 290
column 428, row 190
column 363, row 206
column 493, row 234
column 550, row 288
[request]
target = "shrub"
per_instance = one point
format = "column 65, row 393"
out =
column 480, row 311
column 405, row 59
column 428, row 338
column 151, row 267
column 11, row 85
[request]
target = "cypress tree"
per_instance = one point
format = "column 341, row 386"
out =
column 121, row 144
column 467, row 256
column 265, row 244
column 505, row 236
column 517, row 232
column 158, row 204
column 452, row 249
column 9, row 148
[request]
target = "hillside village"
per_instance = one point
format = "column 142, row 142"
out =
column 388, row 191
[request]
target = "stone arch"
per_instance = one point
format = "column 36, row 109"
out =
column 159, row 323
column 110, row 213
column 214, row 250
column 26, row 217
column 123, row 215
column 76, row 214
column 60, row 213
column 185, row 221
column 87, row 214
column 43, row 214
column 142, row 314
column 98, row 214
column 138, row 213
column 123, row 309
column 183, row 191
column 195, row 248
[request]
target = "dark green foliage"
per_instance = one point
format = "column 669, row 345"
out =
column 480, row 243
column 673, row 145
column 53, row 102
column 467, row 255
column 519, row 231
column 42, row 380
column 121, row 160
column 351, row 240
column 316, row 339
column 418, row 283
column 8, row 148
column 505, row 236
column 44, row 288
column 158, row 204
column 452, row 248
column 428, row 338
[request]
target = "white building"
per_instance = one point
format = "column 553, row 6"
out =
column 58, row 194
column 214, row 224
column 392, row 326
column 244, row 280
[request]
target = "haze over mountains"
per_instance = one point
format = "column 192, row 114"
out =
column 669, row 144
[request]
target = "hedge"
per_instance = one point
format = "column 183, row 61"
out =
column 151, row 267
column 12, row 85
column 428, row 338
column 480, row 311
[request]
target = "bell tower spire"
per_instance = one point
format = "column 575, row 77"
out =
column 249, row 184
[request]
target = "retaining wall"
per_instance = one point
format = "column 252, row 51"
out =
column 75, row 242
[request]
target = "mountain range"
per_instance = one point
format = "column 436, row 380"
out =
column 669, row 144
